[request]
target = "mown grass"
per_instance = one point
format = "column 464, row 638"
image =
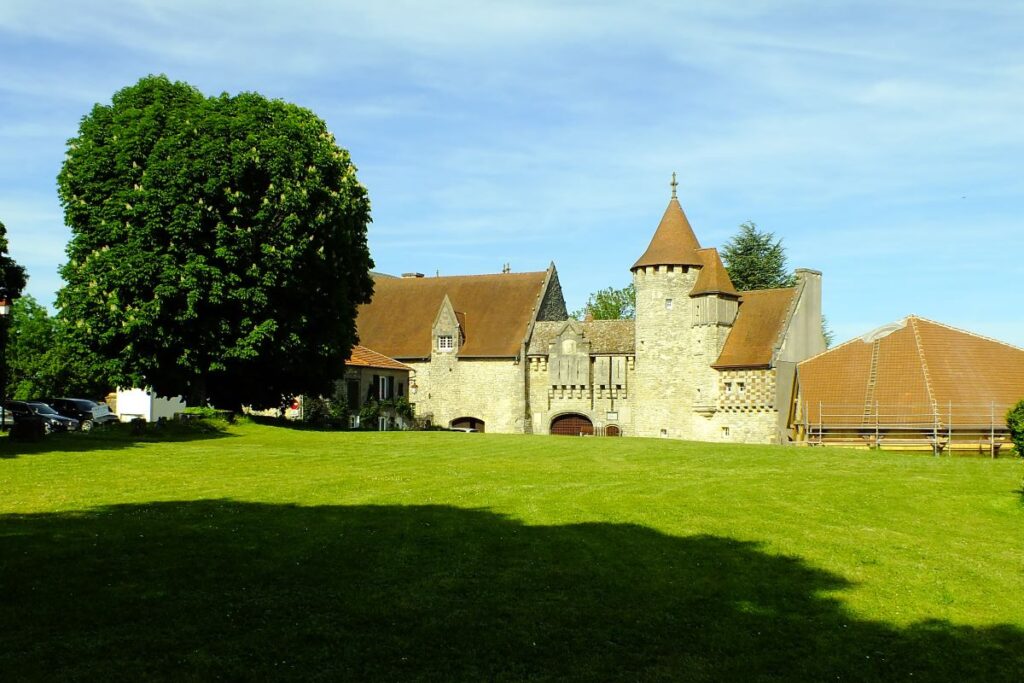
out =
column 260, row 552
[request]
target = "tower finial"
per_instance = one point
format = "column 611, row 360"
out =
column 674, row 185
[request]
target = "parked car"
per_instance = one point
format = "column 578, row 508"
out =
column 52, row 420
column 88, row 413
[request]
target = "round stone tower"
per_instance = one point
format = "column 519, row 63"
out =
column 670, row 363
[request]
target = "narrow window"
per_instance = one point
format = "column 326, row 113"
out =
column 728, row 387
column 725, row 431
column 668, row 304
column 740, row 387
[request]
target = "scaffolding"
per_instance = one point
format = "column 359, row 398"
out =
column 976, row 427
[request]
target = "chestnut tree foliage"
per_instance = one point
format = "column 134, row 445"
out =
column 218, row 246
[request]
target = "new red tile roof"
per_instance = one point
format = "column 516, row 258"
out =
column 919, row 364
column 495, row 310
column 363, row 357
column 756, row 331
column 674, row 243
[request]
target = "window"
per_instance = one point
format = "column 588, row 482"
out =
column 386, row 388
column 740, row 387
column 445, row 342
column 668, row 304
column 725, row 431
column 728, row 387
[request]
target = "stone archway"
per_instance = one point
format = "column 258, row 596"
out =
column 572, row 424
column 463, row 423
column 612, row 430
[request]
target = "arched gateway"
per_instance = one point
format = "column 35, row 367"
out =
column 572, row 424
column 463, row 423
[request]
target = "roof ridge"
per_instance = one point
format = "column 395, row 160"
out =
column 963, row 331
column 452, row 277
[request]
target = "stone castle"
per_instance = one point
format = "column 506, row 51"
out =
column 701, row 361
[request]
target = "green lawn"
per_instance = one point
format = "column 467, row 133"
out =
column 273, row 553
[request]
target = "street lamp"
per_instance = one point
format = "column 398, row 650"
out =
column 5, row 310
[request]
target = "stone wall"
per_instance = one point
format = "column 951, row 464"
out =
column 604, row 403
column 745, row 411
column 672, row 364
column 489, row 389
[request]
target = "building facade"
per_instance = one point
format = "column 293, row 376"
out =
column 700, row 361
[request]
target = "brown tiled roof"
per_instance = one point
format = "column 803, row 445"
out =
column 919, row 364
column 674, row 243
column 713, row 277
column 363, row 357
column 606, row 336
column 755, row 333
column 495, row 311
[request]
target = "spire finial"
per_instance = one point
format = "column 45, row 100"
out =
column 674, row 185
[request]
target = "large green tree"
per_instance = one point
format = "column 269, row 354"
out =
column 610, row 304
column 12, row 281
column 218, row 246
column 35, row 368
column 756, row 260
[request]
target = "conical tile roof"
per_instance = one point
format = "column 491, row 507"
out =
column 713, row 278
column 674, row 243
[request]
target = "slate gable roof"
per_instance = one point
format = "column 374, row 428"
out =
column 495, row 312
column 607, row 337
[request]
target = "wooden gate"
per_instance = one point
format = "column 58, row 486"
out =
column 572, row 425
column 612, row 430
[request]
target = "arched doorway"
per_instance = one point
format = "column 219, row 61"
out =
column 572, row 425
column 467, row 423
column 612, row 430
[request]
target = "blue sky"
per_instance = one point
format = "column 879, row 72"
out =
column 883, row 141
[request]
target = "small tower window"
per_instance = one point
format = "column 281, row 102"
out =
column 445, row 342
column 740, row 388
column 728, row 387
column 668, row 304
column 725, row 432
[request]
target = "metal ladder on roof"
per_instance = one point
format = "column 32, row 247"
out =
column 869, row 395
column 936, row 417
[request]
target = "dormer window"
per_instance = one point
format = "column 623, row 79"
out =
column 445, row 342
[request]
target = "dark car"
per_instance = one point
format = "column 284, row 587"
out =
column 52, row 420
column 88, row 413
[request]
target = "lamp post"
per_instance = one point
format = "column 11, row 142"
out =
column 5, row 310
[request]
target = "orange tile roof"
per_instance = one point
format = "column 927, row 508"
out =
column 919, row 364
column 495, row 311
column 363, row 357
column 674, row 243
column 756, row 330
column 713, row 277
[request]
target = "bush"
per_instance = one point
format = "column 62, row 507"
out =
column 323, row 412
column 1015, row 421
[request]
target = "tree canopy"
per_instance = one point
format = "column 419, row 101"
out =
column 34, row 366
column 610, row 304
column 756, row 260
column 218, row 246
column 12, row 281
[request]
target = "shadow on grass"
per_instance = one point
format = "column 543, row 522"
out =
column 113, row 437
column 221, row 589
